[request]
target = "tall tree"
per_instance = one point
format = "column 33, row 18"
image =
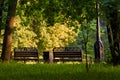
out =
column 98, row 44
column 113, row 28
column 7, row 42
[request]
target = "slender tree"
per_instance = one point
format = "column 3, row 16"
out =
column 98, row 44
column 6, row 50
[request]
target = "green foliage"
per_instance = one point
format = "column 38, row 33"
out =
column 110, row 5
column 3, row 13
column 53, row 23
column 69, row 13
column 56, row 10
column 87, row 34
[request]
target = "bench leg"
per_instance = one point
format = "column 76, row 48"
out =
column 38, row 61
column 24, row 61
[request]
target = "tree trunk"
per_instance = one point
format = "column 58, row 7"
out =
column 115, row 26
column 7, row 42
column 114, row 34
column 98, row 46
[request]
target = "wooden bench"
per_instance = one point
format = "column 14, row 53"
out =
column 67, row 54
column 26, row 53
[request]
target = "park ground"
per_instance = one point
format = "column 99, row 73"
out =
column 20, row 71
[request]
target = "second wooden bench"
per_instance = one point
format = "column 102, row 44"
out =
column 67, row 54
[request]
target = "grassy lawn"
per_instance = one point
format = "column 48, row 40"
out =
column 57, row 72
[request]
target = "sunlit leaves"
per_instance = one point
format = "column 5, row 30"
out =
column 55, row 36
column 57, row 21
column 23, row 36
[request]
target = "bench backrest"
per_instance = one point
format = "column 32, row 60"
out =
column 67, row 52
column 25, row 52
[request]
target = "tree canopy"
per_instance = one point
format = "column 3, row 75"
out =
column 52, row 23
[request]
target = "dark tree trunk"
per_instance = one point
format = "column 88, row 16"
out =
column 7, row 42
column 113, row 29
column 115, row 26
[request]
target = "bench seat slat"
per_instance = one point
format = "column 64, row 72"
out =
column 56, row 60
column 67, row 56
column 26, row 55
column 25, row 58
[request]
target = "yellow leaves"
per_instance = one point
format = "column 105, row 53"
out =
column 46, row 38
column 23, row 36
column 60, row 35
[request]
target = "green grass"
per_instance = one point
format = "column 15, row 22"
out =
column 58, row 72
